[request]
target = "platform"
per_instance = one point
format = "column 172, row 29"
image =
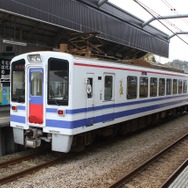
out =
column 7, row 145
column 181, row 180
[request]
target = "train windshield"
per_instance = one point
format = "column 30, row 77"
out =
column 58, row 81
column 18, row 81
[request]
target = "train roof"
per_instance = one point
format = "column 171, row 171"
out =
column 150, row 64
column 133, row 62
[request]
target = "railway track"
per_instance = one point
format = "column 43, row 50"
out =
column 19, row 159
column 147, row 168
column 29, row 165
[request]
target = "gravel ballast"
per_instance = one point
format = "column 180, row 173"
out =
column 103, row 165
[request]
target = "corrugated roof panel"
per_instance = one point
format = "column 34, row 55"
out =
column 84, row 16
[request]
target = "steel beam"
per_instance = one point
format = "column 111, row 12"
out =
column 178, row 33
column 101, row 2
column 164, row 17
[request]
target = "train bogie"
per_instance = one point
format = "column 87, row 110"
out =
column 64, row 100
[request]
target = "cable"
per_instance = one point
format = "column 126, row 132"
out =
column 147, row 10
column 174, row 10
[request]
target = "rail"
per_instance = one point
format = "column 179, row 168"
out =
column 144, row 165
column 7, row 178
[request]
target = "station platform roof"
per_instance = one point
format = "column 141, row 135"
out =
column 49, row 23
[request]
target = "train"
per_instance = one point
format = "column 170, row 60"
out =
column 68, row 100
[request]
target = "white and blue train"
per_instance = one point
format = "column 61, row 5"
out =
column 68, row 100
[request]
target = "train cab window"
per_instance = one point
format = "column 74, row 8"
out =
column 131, row 87
column 168, row 86
column 108, row 88
column 184, row 86
column 153, row 87
column 18, row 81
column 161, row 86
column 36, row 84
column 175, row 86
column 58, row 81
column 143, row 87
column 179, row 86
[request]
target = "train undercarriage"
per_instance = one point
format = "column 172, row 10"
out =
column 33, row 137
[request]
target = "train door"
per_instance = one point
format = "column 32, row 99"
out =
column 109, row 97
column 35, row 96
column 90, row 100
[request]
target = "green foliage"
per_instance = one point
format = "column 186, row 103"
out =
column 178, row 64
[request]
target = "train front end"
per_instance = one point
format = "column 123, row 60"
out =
column 39, row 99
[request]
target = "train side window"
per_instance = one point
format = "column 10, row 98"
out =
column 168, row 86
column 184, row 86
column 175, row 84
column 153, row 87
column 161, row 86
column 108, row 88
column 143, row 87
column 131, row 87
column 179, row 86
column 89, row 87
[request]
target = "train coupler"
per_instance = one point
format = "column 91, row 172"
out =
column 32, row 138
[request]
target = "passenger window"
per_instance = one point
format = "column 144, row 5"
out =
column 153, row 87
column 89, row 87
column 175, row 90
column 185, row 86
column 143, row 87
column 161, row 86
column 108, row 88
column 168, row 86
column 131, row 87
column 179, row 86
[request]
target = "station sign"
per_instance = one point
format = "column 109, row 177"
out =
column 5, row 70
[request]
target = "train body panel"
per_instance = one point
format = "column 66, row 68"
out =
column 56, row 96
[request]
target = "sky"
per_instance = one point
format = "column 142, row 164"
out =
column 177, row 48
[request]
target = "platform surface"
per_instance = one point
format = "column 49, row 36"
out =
column 182, row 180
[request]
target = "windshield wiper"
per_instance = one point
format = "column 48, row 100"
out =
column 55, row 100
column 20, row 98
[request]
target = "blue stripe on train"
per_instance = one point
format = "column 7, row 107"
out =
column 107, row 117
column 98, row 119
column 16, row 118
column 95, row 108
column 83, row 110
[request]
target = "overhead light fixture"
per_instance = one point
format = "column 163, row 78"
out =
column 14, row 42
